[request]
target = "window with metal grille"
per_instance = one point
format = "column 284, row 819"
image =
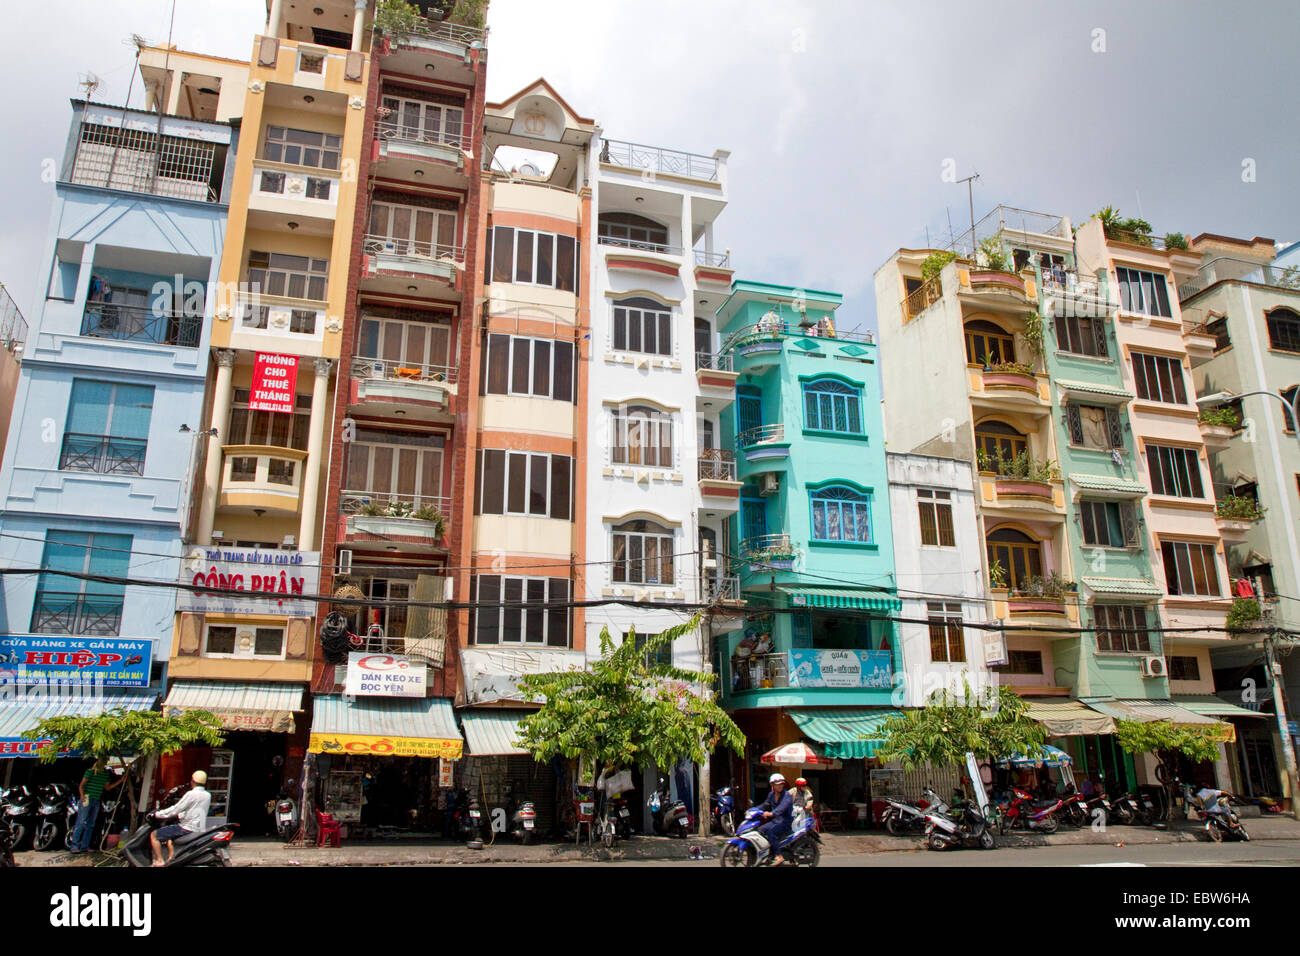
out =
column 295, row 277
column 662, row 655
column 107, row 429
column 841, row 514
column 1190, row 568
column 643, row 553
column 1093, row 426
column 139, row 161
column 1143, row 292
column 70, row 605
column 1159, row 378
column 1122, row 628
column 935, row 508
column 642, row 325
column 520, row 610
column 1108, row 524
column 641, row 436
column 1184, row 668
column 947, row 639
column 832, row 406
column 1082, row 336
column 1174, row 471
column 1283, row 330
column 311, row 62
column 525, row 483
column 302, row 147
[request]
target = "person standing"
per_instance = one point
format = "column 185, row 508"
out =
column 94, row 782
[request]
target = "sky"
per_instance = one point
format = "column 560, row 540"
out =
column 847, row 120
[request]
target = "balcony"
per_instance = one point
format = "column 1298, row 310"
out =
column 407, row 257
column 287, row 192
column 720, row 589
column 1200, row 342
column 719, row 485
column 1021, row 483
column 1218, row 426
column 138, row 323
column 62, row 612
column 713, row 270
column 823, row 676
column 404, row 149
column 103, row 454
column 639, row 159
column 262, row 478
column 769, row 552
column 410, row 519
column 1010, row 385
column 1050, row 602
column 138, row 160
column 441, row 37
column 920, row 299
column 991, row 288
column 764, row 443
column 1236, row 516
column 421, row 392
column 1077, row 294
column 716, row 378
column 259, row 316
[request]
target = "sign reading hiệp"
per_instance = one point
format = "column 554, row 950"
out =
column 56, row 660
column 275, row 379
column 236, row 576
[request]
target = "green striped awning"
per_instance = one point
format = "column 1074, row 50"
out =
column 844, row 597
column 492, row 733
column 849, row 733
column 1208, row 705
column 1148, row 710
column 1108, row 484
column 1138, row 586
column 1093, row 388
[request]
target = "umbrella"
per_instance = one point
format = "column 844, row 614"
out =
column 1052, row 757
column 799, row 754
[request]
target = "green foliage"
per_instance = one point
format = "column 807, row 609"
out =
column 997, row 574
column 469, row 13
column 1033, row 334
column 1221, row 415
column 395, row 17
column 1019, row 368
column 433, row 516
column 1290, row 278
column 120, row 732
column 1239, row 507
column 991, row 725
column 623, row 711
column 1243, row 613
column 934, row 263
column 1175, row 240
column 1161, row 737
column 1053, row 586
column 1131, row 229
column 991, row 255
column 1019, row 466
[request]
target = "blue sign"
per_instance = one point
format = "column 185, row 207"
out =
column 841, row 668
column 63, row 660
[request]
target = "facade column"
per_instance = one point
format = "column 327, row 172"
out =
column 274, row 17
column 311, row 473
column 358, row 24
column 212, row 472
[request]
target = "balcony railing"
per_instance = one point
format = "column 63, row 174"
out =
column 139, row 323
column 918, row 300
column 655, row 159
column 720, row 259
column 656, row 247
column 765, row 545
column 450, row 32
column 1070, row 282
column 103, row 454
column 13, row 327
column 717, row 464
column 414, row 249
column 720, row 588
column 1227, row 268
column 364, row 367
column 761, row 433
column 62, row 612
column 402, row 133
column 389, row 504
column 717, row 363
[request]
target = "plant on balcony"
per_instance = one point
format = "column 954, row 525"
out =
column 991, row 725
column 934, row 263
column 1021, row 466
column 469, row 13
column 1053, row 587
column 1175, row 240
column 1221, row 415
column 773, row 553
column 389, row 509
column 1015, row 368
column 1033, row 334
column 991, row 256
column 1239, row 507
column 395, row 18
column 1131, row 229
column 432, row 515
column 1243, row 613
column 1290, row 278
column 997, row 575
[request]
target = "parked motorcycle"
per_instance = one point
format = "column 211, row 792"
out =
column 1214, row 808
column 1023, row 813
column 56, row 814
column 668, row 816
column 20, row 805
column 748, row 848
column 284, row 812
column 523, row 816
column 962, row 826
column 6, row 844
column 722, row 808
column 200, row 848
column 621, row 811
column 902, row 817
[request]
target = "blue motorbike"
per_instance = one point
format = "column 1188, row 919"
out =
column 801, row 847
column 724, row 811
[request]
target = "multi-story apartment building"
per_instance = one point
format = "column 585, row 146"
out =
column 96, row 476
column 817, row 655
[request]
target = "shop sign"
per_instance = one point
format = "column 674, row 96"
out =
column 326, row 743
column 275, row 379
column 446, row 774
column 384, row 675
column 995, row 649
column 272, row 721
column 237, row 575
column 32, row 659
column 841, row 668
column 17, row 747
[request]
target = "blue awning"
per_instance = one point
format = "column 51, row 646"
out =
column 26, row 711
column 492, row 732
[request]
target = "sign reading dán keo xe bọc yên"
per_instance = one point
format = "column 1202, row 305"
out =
column 841, row 668
column 238, row 577
column 29, row 659
column 384, row 675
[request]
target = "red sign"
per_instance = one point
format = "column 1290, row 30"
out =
column 275, row 377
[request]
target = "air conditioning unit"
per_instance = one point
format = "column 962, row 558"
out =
column 1154, row 667
column 344, row 560
column 770, row 485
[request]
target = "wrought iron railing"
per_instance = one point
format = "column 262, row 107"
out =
column 403, row 133
column 717, row 464
column 762, row 545
column 364, row 367
column 451, row 32
column 65, row 612
column 761, row 433
column 414, row 249
column 718, row 363
column 139, row 323
column 720, row 259
column 388, row 504
column 656, row 159
column 13, row 327
column 920, row 299
column 657, row 247
column 720, row 588
column 103, row 454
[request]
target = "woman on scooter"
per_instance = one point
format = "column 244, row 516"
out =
column 778, row 811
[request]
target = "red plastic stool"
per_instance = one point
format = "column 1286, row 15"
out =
column 329, row 832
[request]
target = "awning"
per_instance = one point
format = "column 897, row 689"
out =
column 1132, row 586
column 492, row 732
column 1069, row 718
column 1092, row 389
column 25, row 712
column 1108, row 485
column 1147, row 710
column 237, row 705
column 847, row 733
column 1208, row 705
column 385, row 726
column 844, row 598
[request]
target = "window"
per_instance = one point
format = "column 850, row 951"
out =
column 1219, row 329
column 947, row 640
column 641, row 436
column 1283, row 330
column 67, row 605
column 421, row 121
column 317, row 188
column 297, row 277
column 841, row 514
column 832, row 406
column 998, row 440
column 536, row 258
column 542, row 368
column 403, row 466
column 1082, row 336
column 1184, row 668
column 1092, row 426
column 1108, row 524
column 1019, row 555
column 530, row 611
column 662, row 655
column 642, row 325
column 936, row 517
column 1159, row 378
column 276, row 429
column 413, row 230
column 1122, row 628
column 300, row 147
column 271, row 182
column 632, row 232
column 405, row 344
column 1174, row 471
column 525, row 483
column 225, row 640
column 107, row 430
column 1143, row 292
column 1288, row 419
column 1190, row 568
column 986, row 344
column 643, row 553
column 1024, row 662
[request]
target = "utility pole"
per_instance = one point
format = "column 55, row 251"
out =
column 706, row 665
column 970, row 198
column 1279, row 708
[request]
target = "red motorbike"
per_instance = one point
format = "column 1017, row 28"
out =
column 1021, row 812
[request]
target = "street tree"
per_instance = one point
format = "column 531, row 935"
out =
column 1163, row 740
column 990, row 725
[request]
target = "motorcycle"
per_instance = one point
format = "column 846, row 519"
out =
column 1021, row 812
column 722, row 807
column 6, row 844
column 20, row 806
column 200, row 848
column 669, row 816
column 901, row 817
column 963, row 825
column 1214, row 807
column 748, row 848
column 284, row 811
column 471, row 827
column 523, row 816
column 622, row 814
column 55, row 816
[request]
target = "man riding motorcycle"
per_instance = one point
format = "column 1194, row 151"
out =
column 778, row 811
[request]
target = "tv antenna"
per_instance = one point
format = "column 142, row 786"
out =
column 89, row 82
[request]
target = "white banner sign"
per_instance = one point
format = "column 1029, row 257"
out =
column 238, row 577
column 384, row 675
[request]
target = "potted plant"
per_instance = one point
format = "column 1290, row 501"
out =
column 1221, row 416
column 997, row 575
column 1243, row 613
column 1239, row 508
column 395, row 18
column 991, row 256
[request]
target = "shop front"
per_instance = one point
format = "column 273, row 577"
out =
column 1148, row 710
column 1088, row 737
column 502, row 774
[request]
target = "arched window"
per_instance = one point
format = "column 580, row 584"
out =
column 631, row 231
column 987, row 344
column 1283, row 330
column 642, row 436
column 642, row 553
column 1000, row 444
column 642, row 325
column 1021, row 556
column 841, row 514
column 832, row 406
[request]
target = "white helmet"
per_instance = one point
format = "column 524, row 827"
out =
column 776, row 778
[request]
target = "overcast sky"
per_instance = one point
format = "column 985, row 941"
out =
column 839, row 114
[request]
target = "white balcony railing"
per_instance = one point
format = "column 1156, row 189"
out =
column 458, row 137
column 720, row 466
column 364, row 367
column 656, row 159
column 760, row 434
column 415, row 251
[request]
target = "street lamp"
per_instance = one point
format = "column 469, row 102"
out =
column 1293, row 407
